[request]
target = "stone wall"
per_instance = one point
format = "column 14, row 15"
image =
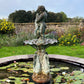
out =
column 29, row 27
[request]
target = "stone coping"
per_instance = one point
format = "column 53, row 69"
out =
column 68, row 59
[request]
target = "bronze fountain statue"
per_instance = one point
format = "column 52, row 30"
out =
column 41, row 68
column 40, row 25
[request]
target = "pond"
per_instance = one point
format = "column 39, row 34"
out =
column 20, row 72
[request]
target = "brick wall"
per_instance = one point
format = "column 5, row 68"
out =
column 29, row 27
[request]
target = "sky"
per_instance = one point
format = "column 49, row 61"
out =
column 71, row 8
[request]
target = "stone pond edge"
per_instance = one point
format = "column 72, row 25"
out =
column 69, row 59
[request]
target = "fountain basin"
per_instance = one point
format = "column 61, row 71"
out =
column 43, row 43
column 58, row 60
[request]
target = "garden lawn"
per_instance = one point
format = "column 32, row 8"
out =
column 75, row 51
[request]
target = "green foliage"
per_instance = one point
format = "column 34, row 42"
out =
column 76, row 77
column 1, row 20
column 77, row 19
column 51, row 17
column 59, row 17
column 56, row 17
column 6, row 27
column 50, row 33
column 82, row 34
column 15, row 40
column 68, row 40
column 64, row 17
column 21, row 16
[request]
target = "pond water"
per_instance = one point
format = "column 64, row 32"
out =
column 21, row 73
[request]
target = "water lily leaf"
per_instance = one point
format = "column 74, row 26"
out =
column 21, row 63
column 3, row 67
column 18, row 80
column 55, row 69
column 29, row 66
column 67, row 75
column 30, row 70
column 10, row 65
column 11, row 77
column 77, row 82
column 58, row 78
column 25, row 75
column 3, row 79
column 79, row 76
column 24, row 69
column 71, row 77
column 51, row 73
column 64, row 68
column 77, row 72
column 29, row 63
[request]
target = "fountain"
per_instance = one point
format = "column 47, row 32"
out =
column 21, row 70
column 41, row 68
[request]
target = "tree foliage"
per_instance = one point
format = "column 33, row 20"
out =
column 77, row 19
column 21, row 16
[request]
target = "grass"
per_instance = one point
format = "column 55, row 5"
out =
column 76, row 51
column 20, row 50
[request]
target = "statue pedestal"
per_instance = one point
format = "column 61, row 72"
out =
column 41, row 68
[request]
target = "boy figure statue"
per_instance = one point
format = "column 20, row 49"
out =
column 40, row 25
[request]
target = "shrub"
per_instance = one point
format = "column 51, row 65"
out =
column 6, row 27
column 68, row 40
column 51, row 35
column 82, row 34
column 47, row 31
column 15, row 40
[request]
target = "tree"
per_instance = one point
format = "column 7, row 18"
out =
column 77, row 19
column 59, row 17
column 64, row 17
column 28, row 17
column 33, row 16
column 51, row 17
column 21, row 16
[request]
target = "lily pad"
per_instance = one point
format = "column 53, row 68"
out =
column 64, row 68
column 11, row 77
column 81, row 76
column 77, row 72
column 3, row 67
column 30, row 70
column 3, row 79
column 51, row 73
column 55, row 69
column 25, row 75
column 77, row 82
column 58, row 78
